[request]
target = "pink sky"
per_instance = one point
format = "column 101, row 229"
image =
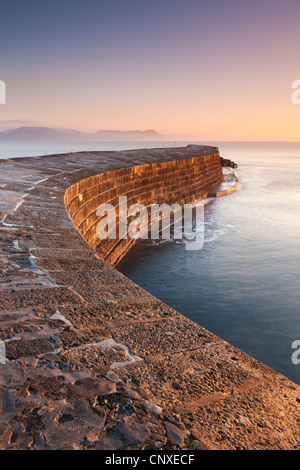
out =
column 214, row 71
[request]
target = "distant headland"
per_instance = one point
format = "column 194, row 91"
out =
column 51, row 134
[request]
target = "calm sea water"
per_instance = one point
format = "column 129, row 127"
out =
column 244, row 285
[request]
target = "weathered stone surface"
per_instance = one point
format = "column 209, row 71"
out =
column 175, row 434
column 91, row 389
column 122, row 436
column 93, row 360
column 23, row 348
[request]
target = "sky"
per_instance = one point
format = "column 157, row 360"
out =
column 213, row 70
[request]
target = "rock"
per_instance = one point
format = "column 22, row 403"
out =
column 66, row 426
column 27, row 348
column 198, row 445
column 49, row 387
column 123, row 435
column 91, row 388
column 132, row 393
column 55, row 340
column 157, row 410
column 112, row 376
column 175, row 434
column 244, row 421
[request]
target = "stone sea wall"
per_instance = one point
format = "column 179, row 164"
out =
column 179, row 181
column 90, row 360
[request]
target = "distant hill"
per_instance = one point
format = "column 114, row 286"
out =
column 33, row 133
column 49, row 134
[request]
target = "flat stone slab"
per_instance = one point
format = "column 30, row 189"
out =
column 93, row 361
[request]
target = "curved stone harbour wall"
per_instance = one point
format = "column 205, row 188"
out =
column 93, row 361
column 177, row 181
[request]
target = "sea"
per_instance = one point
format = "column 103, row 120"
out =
column 244, row 284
